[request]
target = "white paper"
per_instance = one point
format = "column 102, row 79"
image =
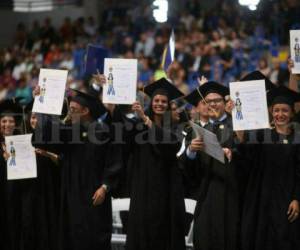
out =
column 212, row 146
column 295, row 50
column 53, row 84
column 251, row 109
column 121, row 77
column 21, row 163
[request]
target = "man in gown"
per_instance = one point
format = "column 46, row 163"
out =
column 90, row 165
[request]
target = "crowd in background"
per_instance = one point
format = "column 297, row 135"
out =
column 222, row 44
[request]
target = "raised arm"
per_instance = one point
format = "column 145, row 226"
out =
column 294, row 78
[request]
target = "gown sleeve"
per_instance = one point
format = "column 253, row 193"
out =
column 50, row 133
column 296, row 193
column 113, row 166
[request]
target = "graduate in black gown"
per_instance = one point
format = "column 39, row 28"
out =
column 89, row 169
column 10, row 213
column 3, row 196
column 271, row 205
column 216, row 218
column 40, row 198
column 3, row 223
column 193, row 172
column 156, row 215
column 242, row 159
column 30, row 209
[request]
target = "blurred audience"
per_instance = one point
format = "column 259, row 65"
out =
column 222, row 44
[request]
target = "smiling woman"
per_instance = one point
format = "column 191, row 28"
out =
column 282, row 114
column 10, row 117
column 10, row 114
column 156, row 215
column 160, row 104
column 271, row 202
column 7, row 125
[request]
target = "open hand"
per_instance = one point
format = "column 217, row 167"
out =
column 202, row 80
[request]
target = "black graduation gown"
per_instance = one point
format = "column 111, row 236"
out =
column 48, row 186
column 156, row 215
column 31, row 205
column 192, row 177
column 12, row 207
column 274, row 181
column 192, row 173
column 85, row 167
column 121, row 137
column 40, row 204
column 216, row 219
column 10, row 210
column 3, row 181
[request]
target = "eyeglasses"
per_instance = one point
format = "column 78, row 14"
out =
column 215, row 101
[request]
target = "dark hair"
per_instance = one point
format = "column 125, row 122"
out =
column 150, row 111
column 17, row 118
column 292, row 107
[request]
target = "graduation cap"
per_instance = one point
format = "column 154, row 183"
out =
column 282, row 95
column 95, row 59
column 257, row 75
column 11, row 108
column 212, row 87
column 163, row 86
column 94, row 105
column 194, row 97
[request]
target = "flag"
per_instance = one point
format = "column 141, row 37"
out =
column 169, row 53
column 95, row 59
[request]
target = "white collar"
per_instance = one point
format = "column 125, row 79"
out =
column 222, row 118
column 203, row 123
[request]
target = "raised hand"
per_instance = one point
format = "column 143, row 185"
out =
column 202, row 80
column 290, row 64
column 137, row 107
column 36, row 91
column 229, row 106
